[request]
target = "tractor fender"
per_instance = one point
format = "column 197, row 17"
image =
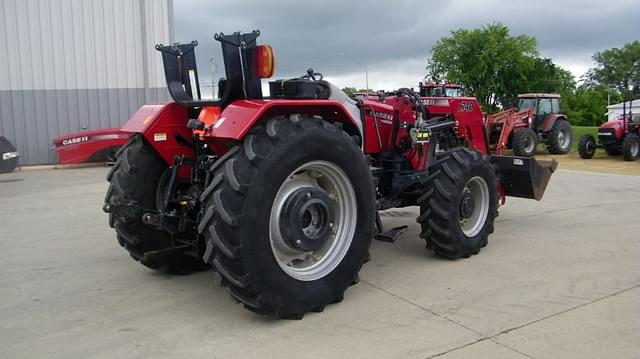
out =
column 87, row 146
column 163, row 125
column 240, row 116
column 551, row 119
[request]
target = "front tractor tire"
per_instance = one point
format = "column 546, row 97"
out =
column 134, row 180
column 524, row 142
column 459, row 205
column 289, row 216
column 587, row 146
column 631, row 147
column 560, row 137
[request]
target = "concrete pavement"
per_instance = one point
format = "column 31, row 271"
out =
column 559, row 279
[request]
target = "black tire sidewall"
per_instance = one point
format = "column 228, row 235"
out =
column 554, row 144
column 258, row 257
column 519, row 147
column 488, row 175
column 627, row 146
column 586, row 147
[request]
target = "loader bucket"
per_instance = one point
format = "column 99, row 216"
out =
column 524, row 177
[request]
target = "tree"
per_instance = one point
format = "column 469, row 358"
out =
column 587, row 106
column 487, row 62
column 618, row 68
column 349, row 90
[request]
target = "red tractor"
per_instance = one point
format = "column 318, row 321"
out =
column 537, row 119
column 620, row 136
column 280, row 195
column 432, row 89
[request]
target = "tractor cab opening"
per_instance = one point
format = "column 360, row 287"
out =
column 430, row 89
column 540, row 104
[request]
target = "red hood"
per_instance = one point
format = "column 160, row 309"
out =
column 612, row 124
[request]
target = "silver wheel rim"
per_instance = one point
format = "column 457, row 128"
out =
column 477, row 187
column 313, row 265
column 634, row 149
column 564, row 139
column 529, row 144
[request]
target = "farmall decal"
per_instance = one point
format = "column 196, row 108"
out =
column 73, row 141
column 381, row 115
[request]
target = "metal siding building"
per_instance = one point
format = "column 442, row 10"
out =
column 69, row 65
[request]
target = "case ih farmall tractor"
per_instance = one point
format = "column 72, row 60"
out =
column 537, row 119
column 280, row 195
column 620, row 136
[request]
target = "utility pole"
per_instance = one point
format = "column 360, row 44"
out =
column 214, row 66
column 362, row 66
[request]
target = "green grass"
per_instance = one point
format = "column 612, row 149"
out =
column 578, row 131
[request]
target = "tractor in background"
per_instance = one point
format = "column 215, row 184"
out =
column 9, row 159
column 280, row 195
column 432, row 89
column 618, row 137
column 537, row 119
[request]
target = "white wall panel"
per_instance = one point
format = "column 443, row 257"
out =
column 82, row 44
column 69, row 65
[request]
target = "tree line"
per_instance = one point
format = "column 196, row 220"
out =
column 494, row 66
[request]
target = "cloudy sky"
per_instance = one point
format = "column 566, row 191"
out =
column 393, row 39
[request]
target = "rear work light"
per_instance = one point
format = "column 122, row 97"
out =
column 209, row 116
column 265, row 61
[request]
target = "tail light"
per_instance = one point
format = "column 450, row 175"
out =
column 265, row 61
column 208, row 116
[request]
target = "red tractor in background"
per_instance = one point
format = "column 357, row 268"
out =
column 432, row 89
column 537, row 119
column 280, row 195
column 620, row 136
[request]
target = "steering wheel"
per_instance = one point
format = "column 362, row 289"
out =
column 311, row 75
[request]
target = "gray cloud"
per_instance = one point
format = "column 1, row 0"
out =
column 385, row 35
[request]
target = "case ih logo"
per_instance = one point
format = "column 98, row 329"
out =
column 465, row 106
column 71, row 141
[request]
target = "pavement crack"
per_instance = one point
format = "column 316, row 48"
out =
column 420, row 307
column 492, row 337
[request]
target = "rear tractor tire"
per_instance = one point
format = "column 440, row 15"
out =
column 587, row 146
column 560, row 137
column 134, row 179
column 524, row 142
column 289, row 216
column 460, row 203
column 631, row 147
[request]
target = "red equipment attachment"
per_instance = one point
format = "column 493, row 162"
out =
column 503, row 124
column 90, row 146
